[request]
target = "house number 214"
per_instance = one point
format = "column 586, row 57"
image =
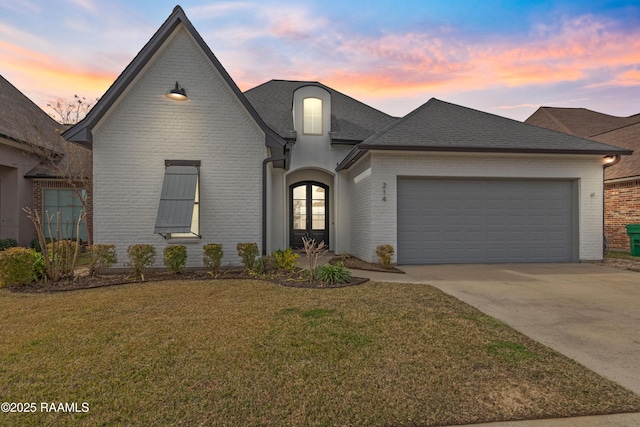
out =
column 384, row 191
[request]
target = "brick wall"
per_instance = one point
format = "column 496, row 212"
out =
column 144, row 128
column 386, row 166
column 621, row 207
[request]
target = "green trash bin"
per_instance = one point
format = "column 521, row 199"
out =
column 633, row 231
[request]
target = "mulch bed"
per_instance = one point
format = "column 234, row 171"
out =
column 350, row 261
column 84, row 281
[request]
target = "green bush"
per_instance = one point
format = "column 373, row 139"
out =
column 212, row 257
column 101, row 257
column 39, row 266
column 175, row 257
column 286, row 259
column 385, row 253
column 141, row 256
column 262, row 266
column 7, row 243
column 332, row 274
column 17, row 266
column 35, row 243
column 248, row 253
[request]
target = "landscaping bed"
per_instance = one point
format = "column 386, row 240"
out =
column 82, row 280
column 351, row 261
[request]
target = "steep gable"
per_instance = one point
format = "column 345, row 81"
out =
column 83, row 131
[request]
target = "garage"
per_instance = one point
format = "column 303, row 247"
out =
column 442, row 220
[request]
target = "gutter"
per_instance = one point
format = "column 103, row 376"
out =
column 287, row 161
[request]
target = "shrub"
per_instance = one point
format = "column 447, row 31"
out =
column 7, row 243
column 101, row 258
column 262, row 266
column 17, row 266
column 141, row 257
column 248, row 253
column 175, row 257
column 39, row 266
column 212, row 257
column 286, row 259
column 332, row 274
column 385, row 253
column 61, row 255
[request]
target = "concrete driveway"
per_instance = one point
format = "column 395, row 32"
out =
column 586, row 312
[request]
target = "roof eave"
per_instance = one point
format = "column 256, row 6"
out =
column 604, row 152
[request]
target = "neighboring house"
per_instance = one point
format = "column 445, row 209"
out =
column 287, row 159
column 32, row 155
column 621, row 179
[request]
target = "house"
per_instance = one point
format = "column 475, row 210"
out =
column 182, row 156
column 32, row 157
column 622, row 179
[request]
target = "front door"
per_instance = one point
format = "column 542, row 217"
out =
column 309, row 213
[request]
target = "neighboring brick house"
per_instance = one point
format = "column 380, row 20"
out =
column 622, row 179
column 181, row 155
column 28, row 137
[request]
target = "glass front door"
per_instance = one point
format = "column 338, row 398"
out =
column 309, row 213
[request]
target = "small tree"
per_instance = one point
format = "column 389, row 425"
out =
column 314, row 251
column 61, row 255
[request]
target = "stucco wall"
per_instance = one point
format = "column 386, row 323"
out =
column 145, row 128
column 387, row 166
column 16, row 193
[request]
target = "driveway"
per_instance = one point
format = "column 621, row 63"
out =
column 586, row 312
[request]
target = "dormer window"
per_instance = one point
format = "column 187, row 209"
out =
column 312, row 115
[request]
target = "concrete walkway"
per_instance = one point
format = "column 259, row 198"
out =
column 587, row 312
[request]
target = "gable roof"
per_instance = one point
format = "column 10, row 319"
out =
column 351, row 120
column 619, row 131
column 442, row 126
column 81, row 132
column 23, row 122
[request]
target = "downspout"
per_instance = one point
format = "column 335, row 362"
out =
column 287, row 158
column 616, row 160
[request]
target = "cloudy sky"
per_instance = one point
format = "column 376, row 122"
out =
column 506, row 57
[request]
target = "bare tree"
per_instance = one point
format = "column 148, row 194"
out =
column 61, row 159
column 71, row 112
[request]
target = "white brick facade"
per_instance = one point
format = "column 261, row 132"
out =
column 386, row 167
column 144, row 129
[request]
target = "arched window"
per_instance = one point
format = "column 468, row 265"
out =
column 312, row 116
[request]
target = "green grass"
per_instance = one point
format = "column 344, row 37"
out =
column 621, row 255
column 252, row 353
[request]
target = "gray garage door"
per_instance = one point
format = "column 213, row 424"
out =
column 485, row 221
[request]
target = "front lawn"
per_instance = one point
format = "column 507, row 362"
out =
column 242, row 352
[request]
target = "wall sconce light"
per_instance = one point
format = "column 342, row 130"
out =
column 177, row 93
column 610, row 160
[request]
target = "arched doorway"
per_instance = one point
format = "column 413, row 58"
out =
column 309, row 213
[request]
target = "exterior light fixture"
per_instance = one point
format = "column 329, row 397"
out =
column 610, row 160
column 177, row 93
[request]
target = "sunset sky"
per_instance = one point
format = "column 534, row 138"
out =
column 504, row 57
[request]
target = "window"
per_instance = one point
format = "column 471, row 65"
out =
column 70, row 207
column 179, row 209
column 312, row 116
